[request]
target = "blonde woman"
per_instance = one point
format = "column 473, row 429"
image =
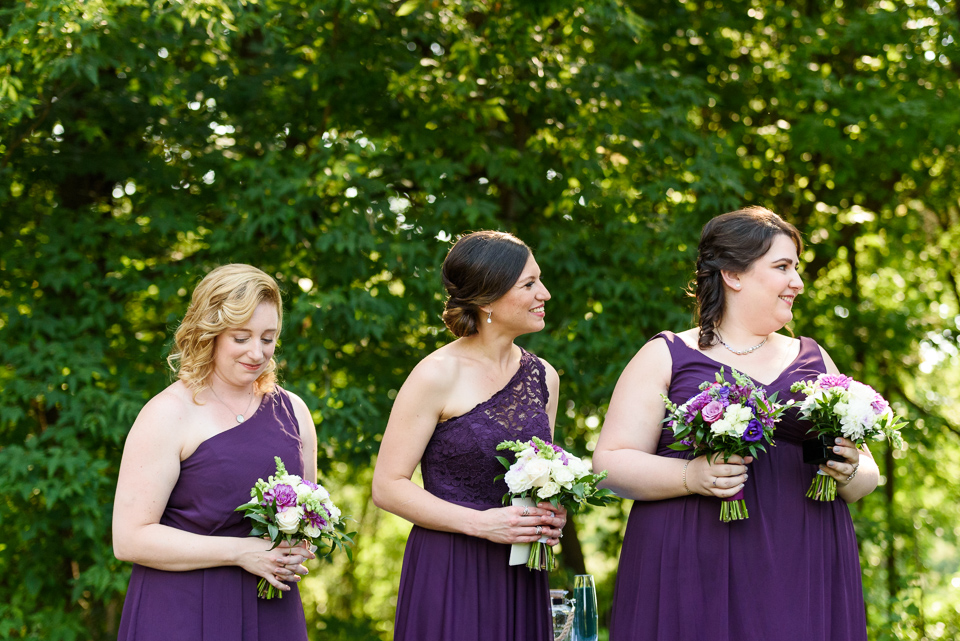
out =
column 192, row 456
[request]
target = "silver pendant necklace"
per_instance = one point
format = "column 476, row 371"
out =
column 743, row 352
column 240, row 418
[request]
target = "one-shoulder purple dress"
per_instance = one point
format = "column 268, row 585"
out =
column 221, row 603
column 790, row 572
column 455, row 587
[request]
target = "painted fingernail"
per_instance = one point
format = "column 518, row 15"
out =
column 838, row 441
column 831, row 463
column 837, row 449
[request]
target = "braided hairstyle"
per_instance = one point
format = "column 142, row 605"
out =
column 479, row 268
column 732, row 242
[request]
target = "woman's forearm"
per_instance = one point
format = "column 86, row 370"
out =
column 406, row 499
column 641, row 476
column 166, row 548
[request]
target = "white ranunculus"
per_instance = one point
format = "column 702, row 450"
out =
column 289, row 520
column 549, row 489
column 312, row 531
column 722, row 427
column 740, row 417
column 561, row 474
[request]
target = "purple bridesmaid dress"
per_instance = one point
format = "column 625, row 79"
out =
column 220, row 604
column 455, row 587
column 790, row 572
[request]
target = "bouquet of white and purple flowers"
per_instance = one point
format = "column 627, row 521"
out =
column 837, row 405
column 288, row 508
column 725, row 419
column 546, row 472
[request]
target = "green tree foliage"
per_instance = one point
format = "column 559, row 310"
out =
column 340, row 145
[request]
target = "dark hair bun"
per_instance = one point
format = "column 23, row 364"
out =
column 479, row 268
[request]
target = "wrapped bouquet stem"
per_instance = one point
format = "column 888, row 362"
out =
column 723, row 420
column 836, row 405
column 546, row 472
column 538, row 553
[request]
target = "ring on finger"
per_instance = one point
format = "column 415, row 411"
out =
column 525, row 512
column 715, row 481
column 539, row 530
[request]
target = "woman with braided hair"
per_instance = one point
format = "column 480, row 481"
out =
column 456, row 406
column 791, row 570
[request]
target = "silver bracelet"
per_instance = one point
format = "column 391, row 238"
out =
column 685, row 476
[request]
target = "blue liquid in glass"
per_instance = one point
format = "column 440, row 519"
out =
column 585, row 614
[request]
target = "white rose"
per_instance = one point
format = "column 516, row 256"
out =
column 289, row 520
column 538, row 470
column 526, row 454
column 549, row 489
column 321, row 494
column 561, row 474
column 290, row 479
column 577, row 467
column 861, row 393
column 517, row 479
column 334, row 511
column 303, row 493
column 312, row 531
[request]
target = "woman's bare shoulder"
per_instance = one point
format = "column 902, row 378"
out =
column 167, row 412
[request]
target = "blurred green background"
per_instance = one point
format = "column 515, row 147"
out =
column 341, row 145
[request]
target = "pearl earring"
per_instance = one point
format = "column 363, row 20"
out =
column 489, row 314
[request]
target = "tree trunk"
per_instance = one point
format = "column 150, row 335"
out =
column 893, row 579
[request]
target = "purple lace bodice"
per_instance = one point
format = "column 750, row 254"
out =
column 459, row 463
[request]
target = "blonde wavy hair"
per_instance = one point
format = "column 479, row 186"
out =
column 226, row 298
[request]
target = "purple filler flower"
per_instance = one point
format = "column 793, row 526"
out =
column 754, row 431
column 712, row 412
column 283, row 494
column 834, row 380
column 315, row 519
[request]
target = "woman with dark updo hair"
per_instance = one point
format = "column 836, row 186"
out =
column 789, row 572
column 456, row 406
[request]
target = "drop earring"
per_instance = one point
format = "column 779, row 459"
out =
column 489, row 314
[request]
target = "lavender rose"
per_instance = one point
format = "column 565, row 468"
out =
column 712, row 411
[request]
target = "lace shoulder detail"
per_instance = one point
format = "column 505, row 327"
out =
column 459, row 463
